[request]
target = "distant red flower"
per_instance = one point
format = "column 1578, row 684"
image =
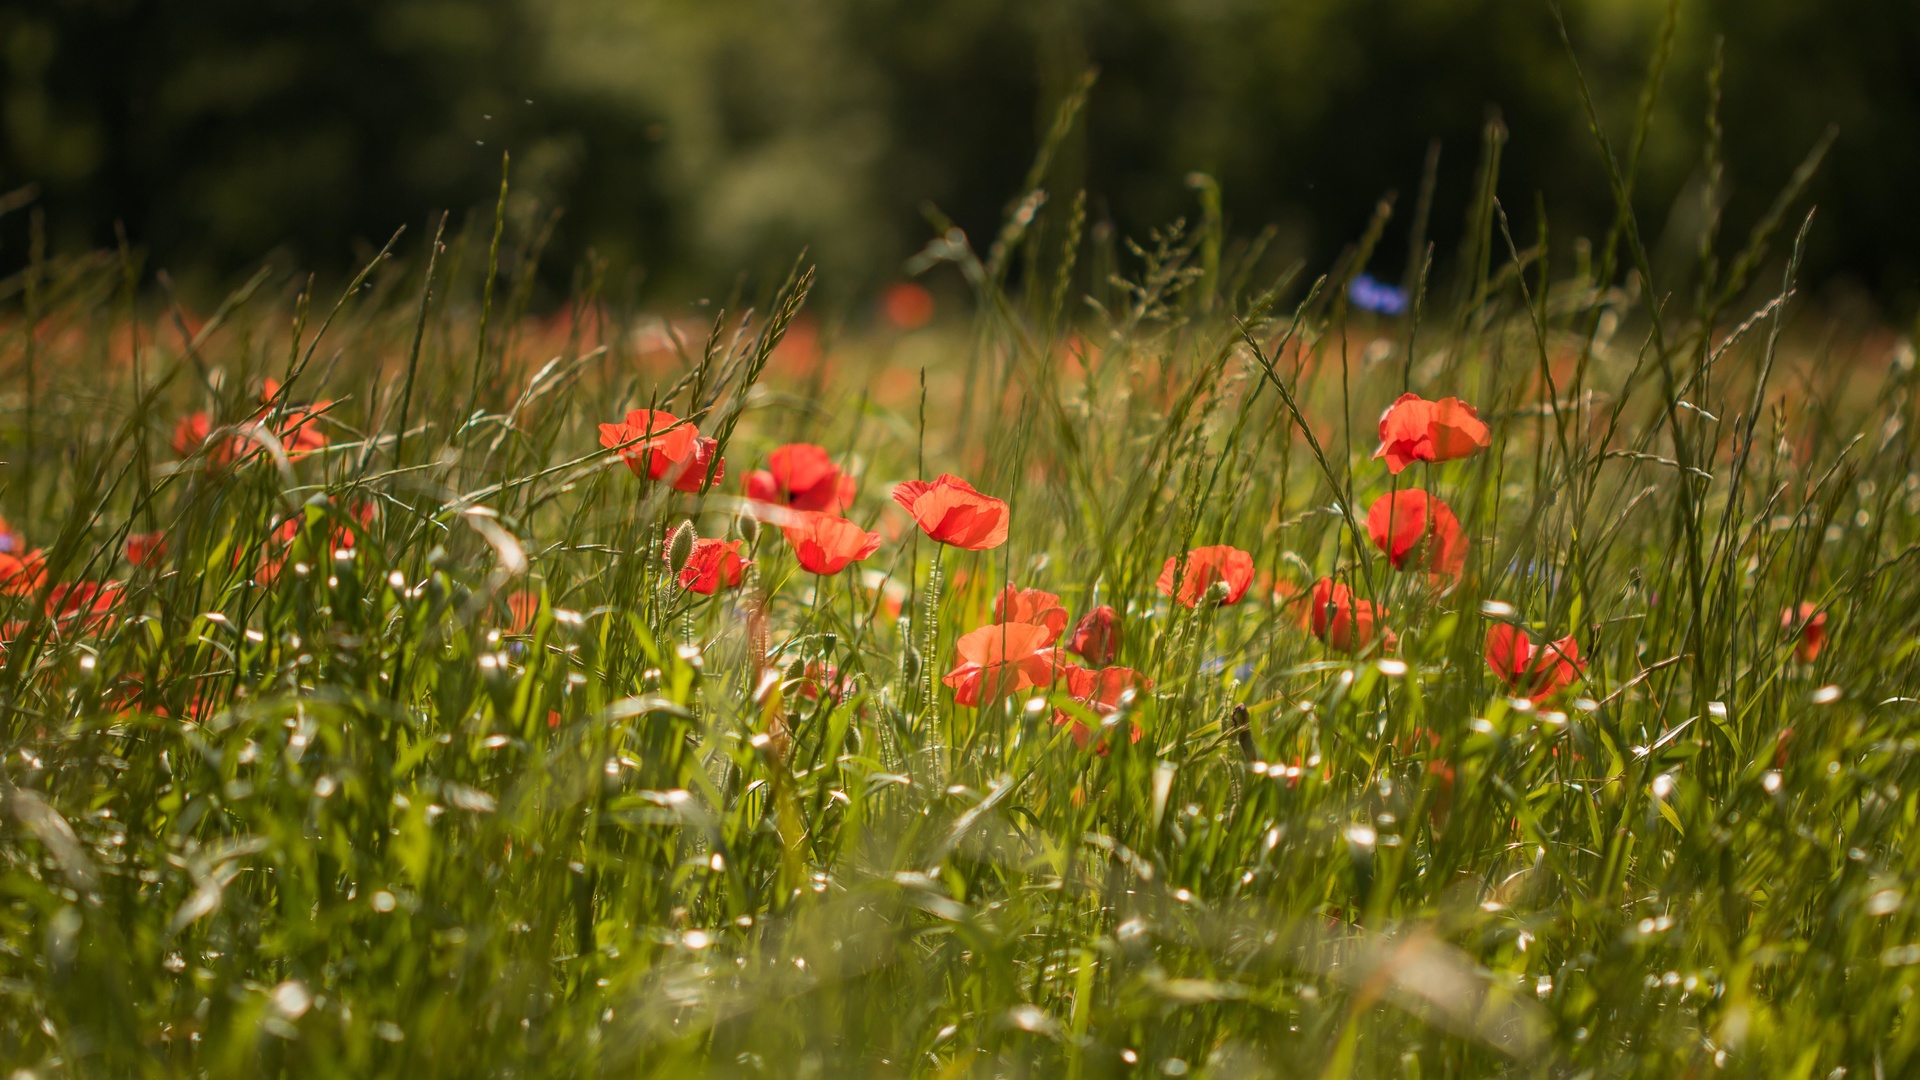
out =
column 1415, row 429
column 677, row 454
column 190, row 434
column 825, row 544
column 817, row 677
column 906, row 305
column 522, row 606
column 87, row 605
column 1101, row 692
column 1096, row 638
column 11, row 543
column 22, row 574
column 1810, row 624
column 1530, row 672
column 1001, row 659
column 801, row 476
column 952, row 512
column 711, row 564
column 1346, row 623
column 144, row 548
column 1031, row 606
column 1411, row 522
column 1205, row 566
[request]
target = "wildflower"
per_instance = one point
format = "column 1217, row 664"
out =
column 1096, row 638
column 22, row 574
column 1031, row 606
column 1415, row 429
column 11, row 543
column 146, row 548
column 818, row 677
column 191, row 433
column 1810, row 625
column 712, row 564
column 1001, row 659
column 825, row 544
column 522, row 606
column 1344, row 622
column 669, row 450
column 88, row 605
column 1531, row 672
column 1102, row 692
column 801, row 476
column 1203, row 568
column 908, row 306
column 1411, row 522
column 952, row 512
column 1370, row 294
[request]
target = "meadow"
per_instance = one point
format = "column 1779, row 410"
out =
column 1173, row 663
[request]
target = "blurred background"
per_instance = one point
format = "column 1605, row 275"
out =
column 690, row 141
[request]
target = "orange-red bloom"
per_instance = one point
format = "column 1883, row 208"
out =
column 1810, row 624
column 826, row 544
column 87, row 605
column 22, row 574
column 1101, row 692
column 148, row 547
column 801, row 476
column 522, row 606
column 1343, row 621
column 952, row 512
column 1031, row 606
column 1411, row 522
column 1205, row 566
column 1096, row 637
column 711, row 564
column 1415, row 429
column 1001, row 659
column 1531, row 672
column 668, row 450
column 907, row 305
column 191, row 433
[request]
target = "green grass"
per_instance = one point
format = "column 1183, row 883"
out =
column 352, row 818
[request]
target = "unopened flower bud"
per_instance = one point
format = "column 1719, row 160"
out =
column 680, row 546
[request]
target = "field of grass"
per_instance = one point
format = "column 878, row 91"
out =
column 378, row 702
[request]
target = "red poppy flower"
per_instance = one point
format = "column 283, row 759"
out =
column 190, row 434
column 1529, row 672
column 1204, row 567
column 801, row 476
column 669, row 450
column 906, row 305
column 1031, row 606
column 1096, row 638
column 1344, row 622
column 818, row 677
column 1002, row 659
column 1411, row 522
column 144, row 548
column 1415, row 429
column 1810, row 624
column 952, row 512
column 22, row 574
column 522, row 606
column 1101, row 692
column 711, row 564
column 826, row 544
column 88, row 605
column 299, row 432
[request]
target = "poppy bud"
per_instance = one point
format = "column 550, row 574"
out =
column 748, row 529
column 680, row 546
column 1096, row 637
column 795, row 671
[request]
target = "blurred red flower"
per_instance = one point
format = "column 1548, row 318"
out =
column 1530, row 672
column 1410, row 522
column 1344, row 622
column 1001, row 659
column 1096, row 638
column 669, row 450
column 87, row 605
column 1810, row 624
column 952, row 512
column 711, row 564
column 906, row 305
column 801, row 476
column 1415, row 429
column 1205, row 566
column 522, row 606
column 22, row 574
column 1101, row 691
column 11, row 543
column 144, row 548
column 1031, row 606
column 826, row 544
